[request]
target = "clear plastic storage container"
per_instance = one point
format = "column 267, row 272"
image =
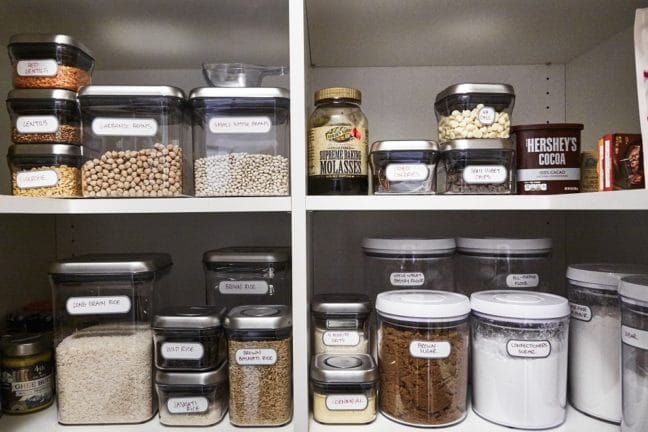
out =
column 247, row 275
column 103, row 307
column 241, row 139
column 45, row 170
column 189, row 338
column 595, row 347
column 402, row 262
column 477, row 167
column 404, row 167
column 192, row 398
column 49, row 61
column 135, row 140
column 490, row 263
column 519, row 358
column 340, row 324
column 44, row 116
column 423, row 356
column 344, row 388
column 259, row 342
column 471, row 110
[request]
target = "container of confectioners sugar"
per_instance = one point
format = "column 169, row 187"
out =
column 548, row 158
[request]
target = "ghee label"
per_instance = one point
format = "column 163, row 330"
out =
column 337, row 151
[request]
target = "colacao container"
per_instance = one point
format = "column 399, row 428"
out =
column 241, row 139
column 344, row 388
column 192, row 398
column 247, row 275
column 49, row 61
column 44, row 116
column 519, row 358
column 488, row 263
column 189, row 338
column 595, row 347
column 135, row 139
column 404, row 167
column 45, row 170
column 340, row 324
column 423, row 356
column 259, row 340
column 634, row 336
column 403, row 262
column 472, row 110
column 103, row 307
column 477, row 167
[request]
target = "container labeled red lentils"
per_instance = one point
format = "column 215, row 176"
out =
column 548, row 158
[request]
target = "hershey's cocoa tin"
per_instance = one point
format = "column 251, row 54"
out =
column 548, row 158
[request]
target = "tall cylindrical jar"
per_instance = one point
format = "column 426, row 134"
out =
column 338, row 144
column 595, row 349
column 634, row 335
column 423, row 356
column 519, row 358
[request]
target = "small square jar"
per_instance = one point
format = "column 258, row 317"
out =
column 189, row 338
column 134, row 138
column 44, row 116
column 45, row 170
column 340, row 323
column 404, row 167
column 192, row 398
column 49, row 61
column 477, row 167
column 472, row 110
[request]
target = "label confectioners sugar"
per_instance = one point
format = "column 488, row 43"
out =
column 430, row 349
column 337, row 151
column 182, row 350
column 485, row 174
column 37, row 124
column 256, row 357
column 634, row 337
column 530, row 280
column 346, row 402
column 243, row 287
column 341, row 338
column 528, row 348
column 406, row 172
column 37, row 68
column 98, row 305
column 187, row 405
column 105, row 126
column 580, row 312
column 36, row 179
column 407, row 279
column 240, row 125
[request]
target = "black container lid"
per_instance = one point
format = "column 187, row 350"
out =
column 245, row 254
column 26, row 150
column 112, row 264
column 190, row 317
column 340, row 304
column 33, row 94
column 60, row 39
column 476, row 88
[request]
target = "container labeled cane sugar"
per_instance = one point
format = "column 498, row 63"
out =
column 548, row 158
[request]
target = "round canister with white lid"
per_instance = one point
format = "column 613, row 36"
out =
column 595, row 350
column 423, row 356
column 408, row 263
column 488, row 263
column 519, row 358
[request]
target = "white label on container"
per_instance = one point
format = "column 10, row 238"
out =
column 346, row 402
column 406, row 172
column 341, row 338
column 37, row 124
column 256, row 357
column 98, row 305
column 187, row 405
column 36, row 179
column 530, row 280
column 485, row 174
column 528, row 348
column 182, row 351
column 240, row 125
column 243, row 287
column 430, row 349
column 124, row 126
column 487, row 116
column 407, row 279
column 634, row 337
column 580, row 312
column 37, row 68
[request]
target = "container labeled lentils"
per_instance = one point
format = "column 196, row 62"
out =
column 404, row 167
column 340, row 323
column 519, row 358
column 338, row 144
column 423, row 356
column 49, row 61
column 44, row 116
column 134, row 138
column 260, row 365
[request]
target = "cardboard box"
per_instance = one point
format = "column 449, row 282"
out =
column 621, row 162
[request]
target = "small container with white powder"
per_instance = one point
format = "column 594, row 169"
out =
column 519, row 358
column 595, row 348
column 341, row 323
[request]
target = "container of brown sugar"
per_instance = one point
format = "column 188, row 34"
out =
column 423, row 356
column 548, row 158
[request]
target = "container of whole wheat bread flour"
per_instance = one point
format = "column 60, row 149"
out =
column 548, row 158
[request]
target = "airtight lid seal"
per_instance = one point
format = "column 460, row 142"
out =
column 475, row 88
column 245, row 254
column 239, row 92
column 343, row 369
column 404, row 145
column 478, row 144
column 190, row 317
column 212, row 377
column 341, row 303
column 603, row 276
column 60, row 39
column 422, row 305
column 408, row 245
column 35, row 94
column 111, row 264
column 502, row 245
column 256, row 317
column 128, row 91
column 634, row 288
column 27, row 150
column 520, row 304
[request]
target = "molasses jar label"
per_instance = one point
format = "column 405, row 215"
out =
column 339, row 151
